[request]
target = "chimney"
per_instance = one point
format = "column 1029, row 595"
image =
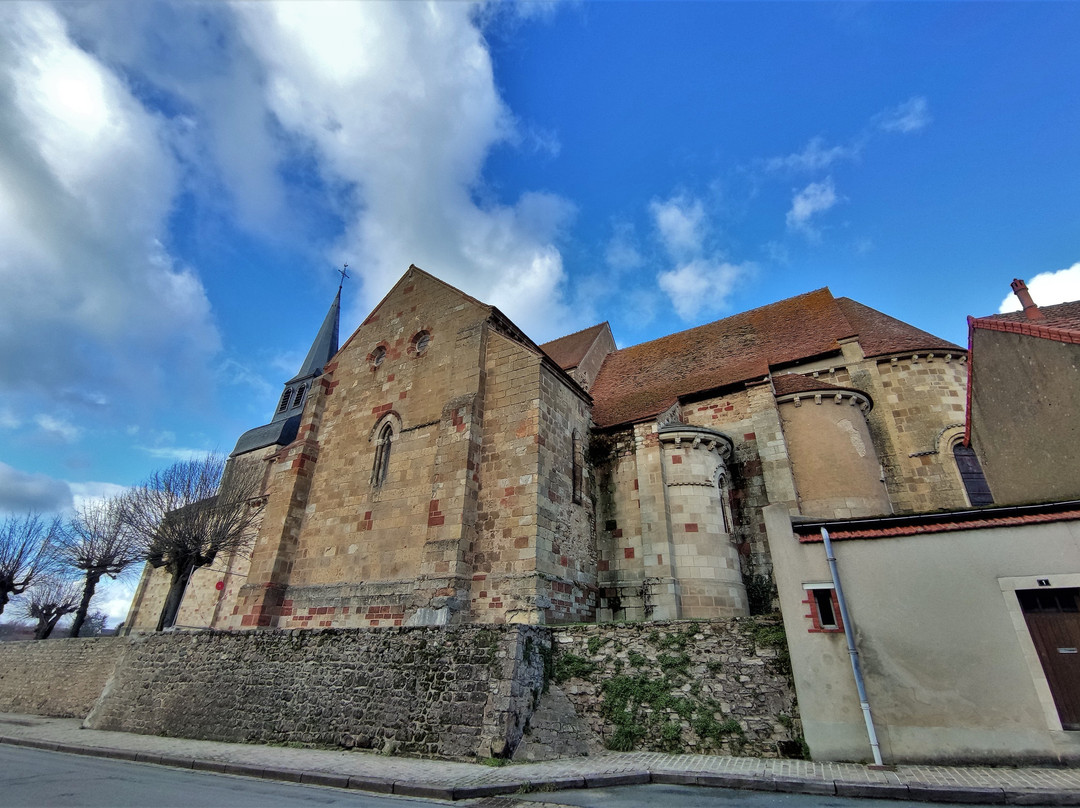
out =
column 1024, row 296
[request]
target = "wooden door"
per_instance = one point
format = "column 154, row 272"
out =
column 1053, row 618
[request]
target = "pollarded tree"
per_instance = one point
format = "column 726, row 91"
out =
column 96, row 542
column 187, row 515
column 48, row 599
column 26, row 551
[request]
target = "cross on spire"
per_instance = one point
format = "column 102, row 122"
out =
column 344, row 273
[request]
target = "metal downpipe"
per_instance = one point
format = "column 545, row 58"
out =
column 849, row 633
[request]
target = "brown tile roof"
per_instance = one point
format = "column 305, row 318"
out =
column 800, row 383
column 567, row 352
column 880, row 334
column 641, row 381
column 1065, row 316
column 895, row 526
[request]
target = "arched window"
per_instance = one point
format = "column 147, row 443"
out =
column 299, row 399
column 978, row 492
column 382, row 455
column 286, row 397
column 722, row 490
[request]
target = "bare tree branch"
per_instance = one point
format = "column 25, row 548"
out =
column 48, row 599
column 26, row 551
column 96, row 541
column 188, row 514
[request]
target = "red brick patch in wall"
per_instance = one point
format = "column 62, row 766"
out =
column 676, row 459
column 365, row 523
column 435, row 516
column 602, row 566
column 690, row 527
column 750, row 436
column 628, row 552
column 381, row 409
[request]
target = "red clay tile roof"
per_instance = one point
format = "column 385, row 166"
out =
column 880, row 334
column 800, row 383
column 641, row 381
column 567, row 352
column 891, row 526
column 1065, row 316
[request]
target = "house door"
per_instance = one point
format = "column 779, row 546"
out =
column 1053, row 618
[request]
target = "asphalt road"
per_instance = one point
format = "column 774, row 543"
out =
column 36, row 778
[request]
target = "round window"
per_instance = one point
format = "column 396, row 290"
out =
column 421, row 342
column 378, row 355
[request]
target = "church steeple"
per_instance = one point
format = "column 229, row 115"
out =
column 285, row 422
column 322, row 350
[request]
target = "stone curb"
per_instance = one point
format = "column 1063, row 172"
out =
column 917, row 792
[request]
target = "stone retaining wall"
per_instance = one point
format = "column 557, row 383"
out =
column 461, row 692
column 60, row 678
column 450, row 692
column 708, row 687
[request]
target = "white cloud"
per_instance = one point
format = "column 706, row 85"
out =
column 1048, row 288
column 815, row 156
column 814, row 199
column 701, row 285
column 57, row 428
column 89, row 183
column 84, row 494
column 174, row 453
column 21, row 492
column 680, row 222
column 910, row 116
column 398, row 105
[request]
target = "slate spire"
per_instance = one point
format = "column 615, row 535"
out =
column 322, row 349
column 285, row 423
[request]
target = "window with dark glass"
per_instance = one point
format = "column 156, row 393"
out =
column 971, row 473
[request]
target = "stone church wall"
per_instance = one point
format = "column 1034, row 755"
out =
column 60, row 677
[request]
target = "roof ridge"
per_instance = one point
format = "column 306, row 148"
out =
column 575, row 333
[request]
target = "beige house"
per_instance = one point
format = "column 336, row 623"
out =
column 966, row 623
column 440, row 467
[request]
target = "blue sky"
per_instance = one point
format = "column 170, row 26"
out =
column 179, row 182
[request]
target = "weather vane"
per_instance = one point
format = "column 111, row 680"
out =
column 344, row 273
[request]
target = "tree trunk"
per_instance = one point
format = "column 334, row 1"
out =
column 45, row 625
column 92, row 578
column 180, row 578
column 3, row 600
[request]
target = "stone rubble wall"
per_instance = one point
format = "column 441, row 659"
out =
column 531, row 692
column 448, row 692
column 58, row 677
column 706, row 687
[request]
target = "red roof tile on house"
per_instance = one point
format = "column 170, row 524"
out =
column 641, row 381
column 892, row 527
column 1062, row 316
column 567, row 352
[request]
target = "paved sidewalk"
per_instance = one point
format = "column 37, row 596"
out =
column 451, row 780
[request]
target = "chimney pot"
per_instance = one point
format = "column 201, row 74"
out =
column 1024, row 296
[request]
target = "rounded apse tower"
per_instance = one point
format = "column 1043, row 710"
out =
column 836, row 468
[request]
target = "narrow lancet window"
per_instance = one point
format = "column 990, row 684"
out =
column 285, row 398
column 382, row 455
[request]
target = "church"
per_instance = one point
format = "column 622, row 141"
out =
column 442, row 468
